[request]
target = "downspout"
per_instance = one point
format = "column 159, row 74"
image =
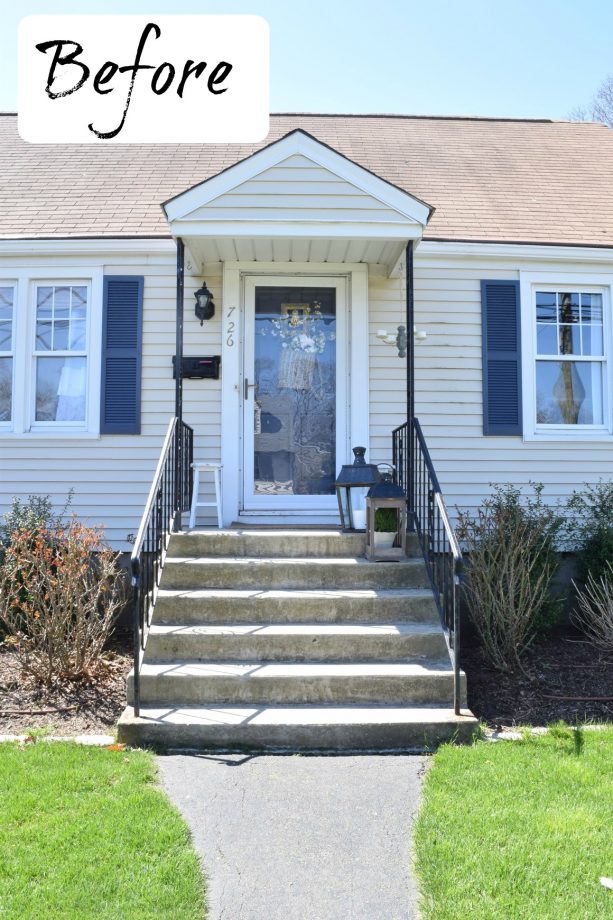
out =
column 180, row 447
column 410, row 305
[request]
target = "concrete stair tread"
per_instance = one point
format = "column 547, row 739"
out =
column 266, row 670
column 299, row 727
column 304, row 572
column 285, row 543
column 264, row 594
column 298, row 561
column 324, row 714
column 284, row 532
column 296, row 629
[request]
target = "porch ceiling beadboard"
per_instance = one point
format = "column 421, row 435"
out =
column 296, row 200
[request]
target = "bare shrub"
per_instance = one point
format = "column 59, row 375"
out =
column 60, row 592
column 511, row 563
column 594, row 612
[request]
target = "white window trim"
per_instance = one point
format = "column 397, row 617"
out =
column 530, row 282
column 23, row 423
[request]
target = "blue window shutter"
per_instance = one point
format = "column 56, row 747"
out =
column 501, row 330
column 121, row 354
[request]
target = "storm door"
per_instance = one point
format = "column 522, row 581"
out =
column 294, row 392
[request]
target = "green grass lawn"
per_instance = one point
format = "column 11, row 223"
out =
column 519, row 829
column 85, row 832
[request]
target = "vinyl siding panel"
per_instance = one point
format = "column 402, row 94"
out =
column 298, row 188
column 449, row 380
column 111, row 475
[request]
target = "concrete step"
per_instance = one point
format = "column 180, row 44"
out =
column 247, row 572
column 252, row 605
column 285, row 543
column 296, row 728
column 295, row 642
column 413, row 682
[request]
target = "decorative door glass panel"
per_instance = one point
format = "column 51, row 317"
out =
column 295, row 391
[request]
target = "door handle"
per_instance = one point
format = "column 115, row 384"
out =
column 246, row 387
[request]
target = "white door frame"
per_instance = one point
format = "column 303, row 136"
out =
column 233, row 331
column 293, row 504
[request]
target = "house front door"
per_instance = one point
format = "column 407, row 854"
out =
column 294, row 393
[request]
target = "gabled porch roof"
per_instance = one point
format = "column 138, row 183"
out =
column 296, row 200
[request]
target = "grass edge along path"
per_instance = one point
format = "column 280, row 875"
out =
column 518, row 829
column 87, row 832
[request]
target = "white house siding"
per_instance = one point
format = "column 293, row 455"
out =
column 111, row 474
column 449, row 380
column 296, row 187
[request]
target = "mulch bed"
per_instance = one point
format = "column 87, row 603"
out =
column 562, row 665
column 70, row 708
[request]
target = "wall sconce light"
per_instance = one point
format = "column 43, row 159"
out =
column 400, row 338
column 205, row 308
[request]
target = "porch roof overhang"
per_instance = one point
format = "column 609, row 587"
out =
column 296, row 200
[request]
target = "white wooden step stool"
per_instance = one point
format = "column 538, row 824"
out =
column 215, row 469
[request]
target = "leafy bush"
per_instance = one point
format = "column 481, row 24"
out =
column 35, row 514
column 512, row 558
column 60, row 592
column 590, row 529
column 594, row 612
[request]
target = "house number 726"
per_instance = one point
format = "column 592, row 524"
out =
column 230, row 328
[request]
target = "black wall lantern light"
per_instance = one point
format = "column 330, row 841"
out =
column 205, row 308
column 356, row 477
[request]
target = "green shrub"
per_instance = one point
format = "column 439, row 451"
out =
column 33, row 515
column 590, row 529
column 512, row 559
column 386, row 520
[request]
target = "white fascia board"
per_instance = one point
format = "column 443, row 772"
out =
column 251, row 229
column 273, row 155
column 515, row 251
column 102, row 245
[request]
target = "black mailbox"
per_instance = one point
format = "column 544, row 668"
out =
column 200, row 368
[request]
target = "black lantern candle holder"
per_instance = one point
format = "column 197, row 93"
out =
column 357, row 475
column 388, row 498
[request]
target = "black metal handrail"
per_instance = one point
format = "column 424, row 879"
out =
column 169, row 496
column 416, row 475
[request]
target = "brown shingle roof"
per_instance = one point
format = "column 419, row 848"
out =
column 493, row 180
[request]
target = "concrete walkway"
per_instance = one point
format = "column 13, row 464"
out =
column 301, row 837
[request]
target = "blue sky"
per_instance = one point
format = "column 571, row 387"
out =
column 521, row 59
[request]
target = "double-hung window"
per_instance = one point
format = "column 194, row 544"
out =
column 60, row 354
column 70, row 352
column 50, row 353
column 567, row 359
column 7, row 338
